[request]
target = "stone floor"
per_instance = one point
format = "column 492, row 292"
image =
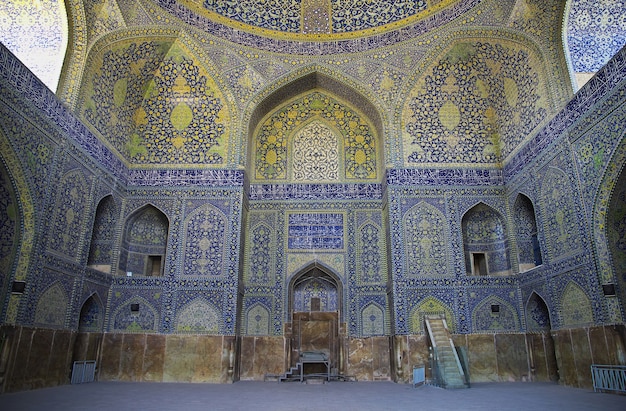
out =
column 258, row 396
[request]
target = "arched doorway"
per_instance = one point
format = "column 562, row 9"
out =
column 315, row 301
column 542, row 351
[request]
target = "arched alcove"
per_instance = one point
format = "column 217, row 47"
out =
column 484, row 242
column 315, row 129
column 542, row 353
column 103, row 235
column 537, row 314
column 315, row 289
column 144, row 243
column 91, row 315
column 315, row 306
column 529, row 250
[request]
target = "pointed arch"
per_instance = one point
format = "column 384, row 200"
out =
column 609, row 222
column 144, row 242
column 495, row 314
column 10, row 232
column 91, row 317
column 315, row 284
column 277, row 135
column 373, row 319
column 485, row 241
column 426, row 241
column 529, row 249
column 270, row 127
column 258, row 320
column 537, row 314
column 52, row 307
column 198, row 317
column 430, row 306
column 103, row 234
column 576, row 308
column 18, row 206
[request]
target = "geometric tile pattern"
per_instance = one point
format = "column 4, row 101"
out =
column 36, row 32
column 276, row 155
column 575, row 306
column 64, row 166
column 204, row 241
column 596, row 30
column 345, row 16
column 473, row 105
column 52, row 307
column 560, row 223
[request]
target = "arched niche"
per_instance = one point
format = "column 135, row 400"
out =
column 537, row 314
column 103, row 235
column 144, row 243
column 315, row 289
column 485, row 243
column 91, row 315
column 315, row 306
column 529, row 249
column 358, row 143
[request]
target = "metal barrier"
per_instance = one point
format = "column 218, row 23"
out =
column 609, row 378
column 83, row 371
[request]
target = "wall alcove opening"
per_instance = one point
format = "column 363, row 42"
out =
column 315, row 300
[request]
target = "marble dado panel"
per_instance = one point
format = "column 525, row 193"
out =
column 167, row 358
column 262, row 355
column 34, row 358
column 368, row 359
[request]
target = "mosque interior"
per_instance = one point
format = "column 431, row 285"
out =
column 215, row 191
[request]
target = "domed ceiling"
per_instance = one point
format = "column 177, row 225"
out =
column 315, row 18
column 317, row 27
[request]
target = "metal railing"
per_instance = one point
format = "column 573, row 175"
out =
column 83, row 371
column 609, row 378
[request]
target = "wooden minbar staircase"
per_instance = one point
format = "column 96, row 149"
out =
column 308, row 357
column 448, row 371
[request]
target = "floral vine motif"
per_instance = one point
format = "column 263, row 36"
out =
column 276, row 132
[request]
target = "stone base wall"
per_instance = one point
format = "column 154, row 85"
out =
column 167, row 358
column 578, row 348
column 32, row 358
column 366, row 359
column 369, row 359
